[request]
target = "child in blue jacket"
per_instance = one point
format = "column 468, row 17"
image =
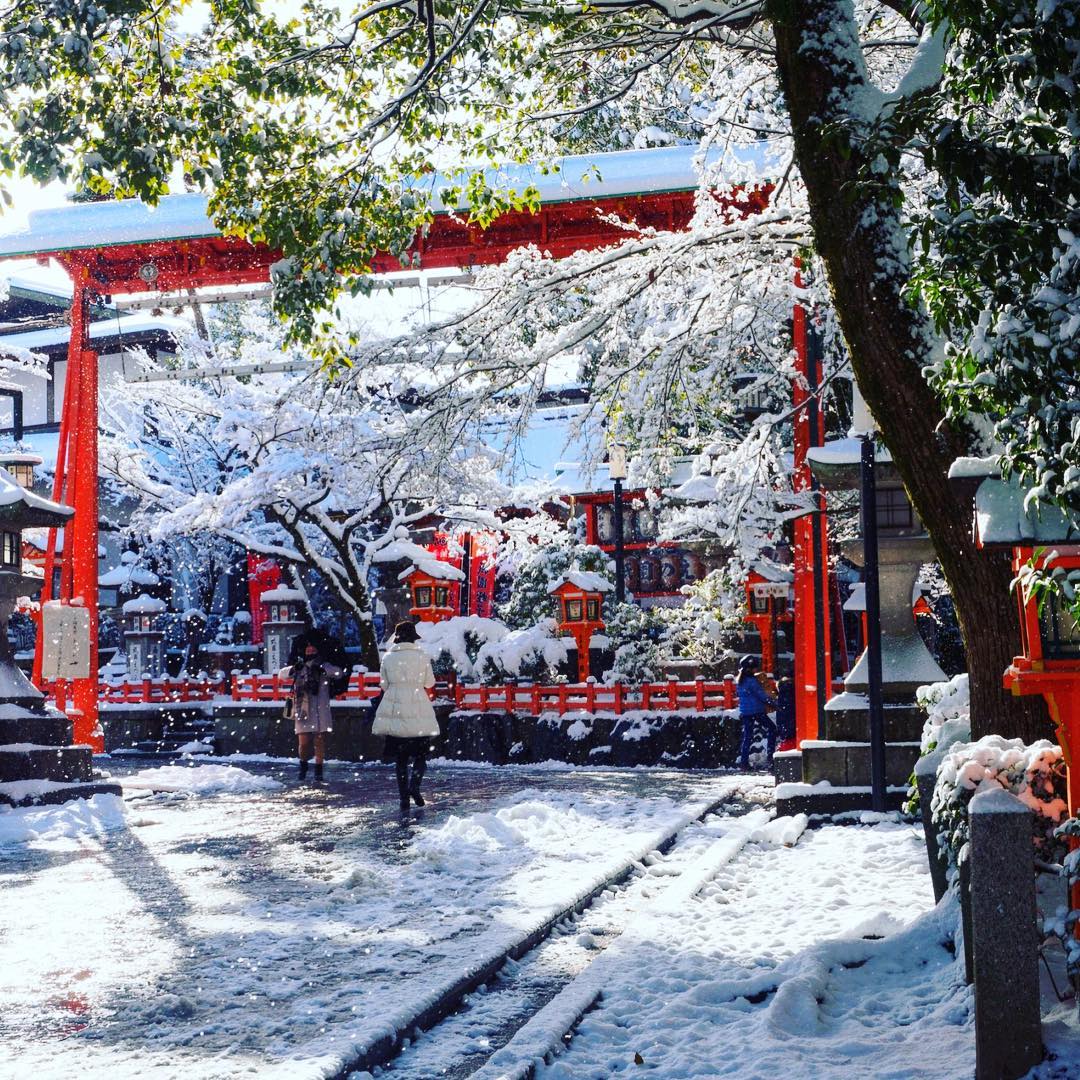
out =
column 754, row 706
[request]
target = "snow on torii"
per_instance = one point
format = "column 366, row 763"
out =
column 126, row 247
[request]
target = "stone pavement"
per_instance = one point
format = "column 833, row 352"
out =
column 272, row 932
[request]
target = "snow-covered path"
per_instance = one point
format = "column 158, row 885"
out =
column 273, row 932
column 822, row 960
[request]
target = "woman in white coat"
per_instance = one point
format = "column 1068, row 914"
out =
column 405, row 715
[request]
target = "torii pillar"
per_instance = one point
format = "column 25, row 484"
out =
column 76, row 483
column 813, row 661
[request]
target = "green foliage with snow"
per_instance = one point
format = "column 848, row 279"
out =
column 641, row 641
column 535, row 576
column 1034, row 774
column 709, row 624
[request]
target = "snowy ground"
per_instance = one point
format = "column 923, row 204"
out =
column 274, row 931
column 241, row 924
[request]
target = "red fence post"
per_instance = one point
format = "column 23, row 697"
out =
column 646, row 695
column 617, row 704
column 590, row 694
column 729, row 692
column 699, row 693
column 673, row 693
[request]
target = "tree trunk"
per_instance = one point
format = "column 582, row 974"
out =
column 860, row 239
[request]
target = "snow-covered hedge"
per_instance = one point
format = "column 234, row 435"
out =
column 942, row 702
column 948, row 721
column 1034, row 774
column 532, row 653
column 487, row 650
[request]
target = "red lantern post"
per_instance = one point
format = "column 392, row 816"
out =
column 581, row 611
column 1049, row 662
column 432, row 593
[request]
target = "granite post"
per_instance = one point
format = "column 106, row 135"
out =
column 1008, row 1031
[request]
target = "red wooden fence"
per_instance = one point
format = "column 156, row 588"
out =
column 698, row 695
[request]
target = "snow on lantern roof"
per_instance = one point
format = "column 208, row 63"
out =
column 966, row 468
column 434, row 568
column 845, row 452
column 1004, row 517
column 78, row 226
column 586, row 580
column 23, row 509
column 144, row 605
column 282, row 595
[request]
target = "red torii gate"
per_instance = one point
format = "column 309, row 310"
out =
column 176, row 248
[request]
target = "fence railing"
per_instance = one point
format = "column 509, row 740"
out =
column 698, row 695
column 671, row 696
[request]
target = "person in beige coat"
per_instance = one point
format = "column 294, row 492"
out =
column 405, row 715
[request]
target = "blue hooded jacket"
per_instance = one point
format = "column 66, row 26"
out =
column 753, row 701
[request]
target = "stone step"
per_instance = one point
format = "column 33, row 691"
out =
column 62, row 794
column 902, row 723
column 847, row 764
column 26, row 761
column 822, row 800
column 41, row 730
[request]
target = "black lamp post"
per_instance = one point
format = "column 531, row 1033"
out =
column 617, row 472
column 873, row 625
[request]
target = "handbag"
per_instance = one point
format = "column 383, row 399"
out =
column 290, row 707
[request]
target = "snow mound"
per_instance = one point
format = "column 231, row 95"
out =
column 200, row 780
column 77, row 819
column 780, row 832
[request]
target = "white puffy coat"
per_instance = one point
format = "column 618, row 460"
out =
column 405, row 710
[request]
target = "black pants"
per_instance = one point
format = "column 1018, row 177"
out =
column 403, row 750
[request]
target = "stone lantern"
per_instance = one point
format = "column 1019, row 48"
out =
column 840, row 756
column 581, row 611
column 38, row 763
column 283, row 622
column 142, row 643
column 432, row 590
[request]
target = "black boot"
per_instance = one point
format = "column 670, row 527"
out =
column 401, row 768
column 303, row 768
column 318, row 772
column 417, row 775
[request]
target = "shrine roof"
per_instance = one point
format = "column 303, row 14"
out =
column 622, row 173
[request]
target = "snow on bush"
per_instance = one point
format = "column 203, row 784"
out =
column 1034, row 774
column 948, row 720
column 641, row 640
column 487, row 650
column 200, row 780
column 1063, row 924
column 533, row 652
column 454, row 644
column 942, row 702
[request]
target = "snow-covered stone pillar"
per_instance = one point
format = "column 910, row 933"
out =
column 1008, row 1031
